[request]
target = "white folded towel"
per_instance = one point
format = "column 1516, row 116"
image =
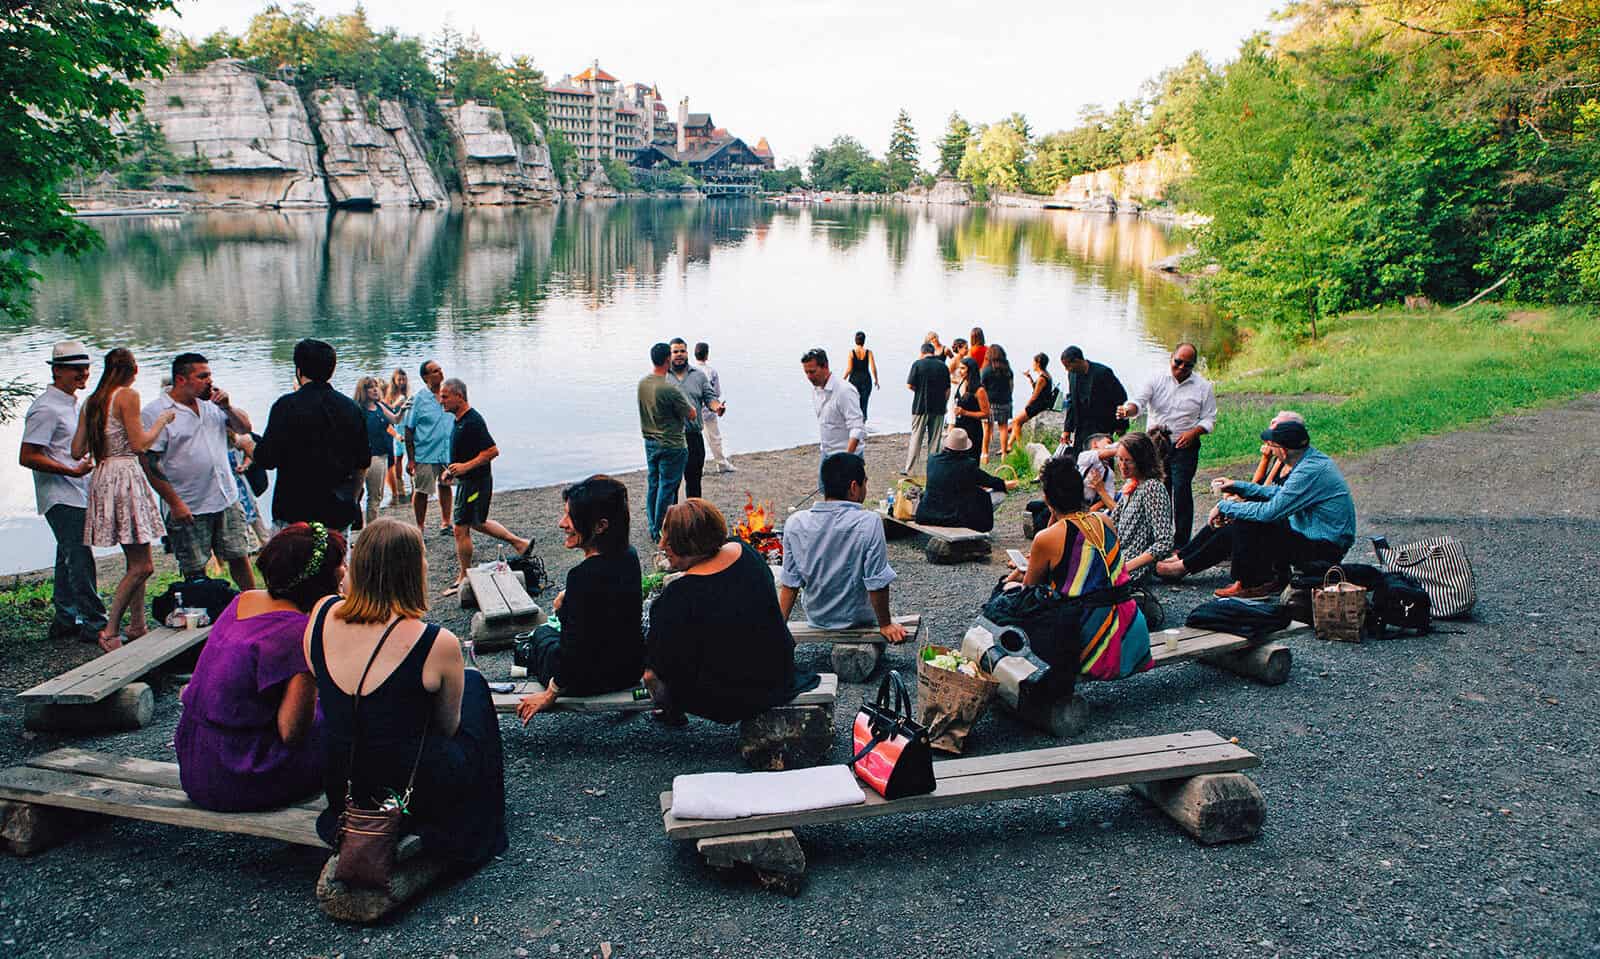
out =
column 737, row 795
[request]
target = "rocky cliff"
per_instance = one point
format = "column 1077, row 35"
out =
column 1132, row 185
column 491, row 163
column 370, row 155
column 947, row 190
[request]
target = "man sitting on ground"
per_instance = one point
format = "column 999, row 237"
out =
column 959, row 493
column 836, row 552
column 1310, row 518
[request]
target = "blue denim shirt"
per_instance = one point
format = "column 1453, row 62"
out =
column 836, row 554
column 432, row 427
column 1315, row 499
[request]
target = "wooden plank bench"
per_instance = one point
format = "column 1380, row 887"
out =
column 856, row 650
column 102, row 694
column 797, row 734
column 503, row 606
column 42, row 801
column 1193, row 777
column 946, row 544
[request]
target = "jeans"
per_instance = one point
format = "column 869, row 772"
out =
column 77, row 596
column 926, row 431
column 1181, row 467
column 1265, row 552
column 663, row 473
column 694, row 466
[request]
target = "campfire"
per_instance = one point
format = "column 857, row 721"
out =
column 759, row 528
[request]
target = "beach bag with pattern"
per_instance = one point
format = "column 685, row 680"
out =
column 1440, row 566
column 1339, row 608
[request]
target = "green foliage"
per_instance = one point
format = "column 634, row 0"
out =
column 13, row 393
column 782, row 181
column 620, row 176
column 998, row 159
column 957, row 135
column 342, row 49
column 846, row 165
column 65, row 72
column 562, row 154
column 146, row 156
column 650, row 583
column 903, row 156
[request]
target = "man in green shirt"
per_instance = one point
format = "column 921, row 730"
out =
column 663, row 413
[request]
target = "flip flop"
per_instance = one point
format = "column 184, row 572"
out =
column 110, row 645
column 452, row 590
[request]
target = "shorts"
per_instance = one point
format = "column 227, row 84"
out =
column 472, row 502
column 225, row 533
column 1037, row 409
column 1000, row 413
column 426, row 479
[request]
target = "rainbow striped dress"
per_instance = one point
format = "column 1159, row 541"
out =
column 1115, row 641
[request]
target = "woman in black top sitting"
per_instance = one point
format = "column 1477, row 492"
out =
column 718, row 646
column 599, row 646
column 418, row 707
column 958, row 492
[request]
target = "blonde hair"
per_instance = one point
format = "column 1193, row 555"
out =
column 393, row 392
column 360, row 393
column 388, row 574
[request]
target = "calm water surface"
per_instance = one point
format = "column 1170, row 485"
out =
column 548, row 314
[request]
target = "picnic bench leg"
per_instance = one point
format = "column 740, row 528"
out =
column 464, row 595
column 1217, row 807
column 787, row 737
column 854, row 662
column 943, row 552
column 128, row 708
column 27, row 828
column 775, row 857
column 1061, row 718
column 1268, row 663
column 354, row 904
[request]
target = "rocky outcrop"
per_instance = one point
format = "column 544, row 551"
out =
column 247, row 137
column 948, row 191
column 537, row 165
column 597, row 186
column 489, row 159
column 1133, row 185
column 370, row 155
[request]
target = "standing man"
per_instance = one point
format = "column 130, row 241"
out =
column 663, row 412
column 189, row 469
column 428, row 429
column 316, row 439
column 1185, row 403
column 471, row 451
column 837, row 405
column 62, row 493
column 711, row 414
column 1093, row 395
column 697, row 390
column 929, row 383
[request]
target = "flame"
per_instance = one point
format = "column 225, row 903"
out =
column 758, row 526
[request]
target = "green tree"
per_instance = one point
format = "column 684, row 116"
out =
column 957, row 134
column 66, row 72
column 847, row 165
column 146, row 156
column 998, row 158
column 782, row 181
column 903, row 154
column 620, row 176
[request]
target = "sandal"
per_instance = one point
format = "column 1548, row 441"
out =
column 452, row 590
column 109, row 644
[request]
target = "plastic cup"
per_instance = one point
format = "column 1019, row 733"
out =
column 1172, row 640
column 191, row 619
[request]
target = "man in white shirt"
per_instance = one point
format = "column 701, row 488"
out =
column 837, row 405
column 188, row 468
column 1185, row 403
column 711, row 413
column 61, row 492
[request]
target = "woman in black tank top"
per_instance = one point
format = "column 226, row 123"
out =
column 863, row 370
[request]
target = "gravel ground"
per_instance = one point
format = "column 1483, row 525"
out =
column 1426, row 796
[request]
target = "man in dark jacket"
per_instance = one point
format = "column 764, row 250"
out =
column 316, row 439
column 959, row 493
column 1093, row 395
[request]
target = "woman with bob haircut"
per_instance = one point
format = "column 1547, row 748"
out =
column 248, row 736
column 718, row 646
column 599, row 646
column 419, row 708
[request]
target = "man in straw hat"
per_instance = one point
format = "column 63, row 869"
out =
column 959, row 493
column 62, row 492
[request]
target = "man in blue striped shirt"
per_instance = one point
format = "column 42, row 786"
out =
column 1310, row 518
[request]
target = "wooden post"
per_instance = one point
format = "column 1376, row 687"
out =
column 1267, row 664
column 854, row 662
column 128, row 708
column 353, row 904
column 1061, row 718
column 26, row 828
column 944, row 552
column 787, row 737
column 464, row 594
column 774, row 857
column 1217, row 807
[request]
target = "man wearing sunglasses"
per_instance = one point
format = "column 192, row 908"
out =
column 1185, row 403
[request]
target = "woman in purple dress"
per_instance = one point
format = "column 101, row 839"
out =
column 249, row 736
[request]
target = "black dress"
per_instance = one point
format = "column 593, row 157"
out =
column 968, row 419
column 860, row 376
column 600, row 645
column 458, row 805
column 720, row 645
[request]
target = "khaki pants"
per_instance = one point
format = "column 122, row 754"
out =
column 377, row 478
column 927, row 430
column 712, row 427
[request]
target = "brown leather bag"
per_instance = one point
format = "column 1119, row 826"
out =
column 368, row 838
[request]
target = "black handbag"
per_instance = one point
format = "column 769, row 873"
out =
column 891, row 751
column 1253, row 619
column 202, row 592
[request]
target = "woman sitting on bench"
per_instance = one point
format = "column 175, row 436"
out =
column 247, row 738
column 718, row 646
column 420, row 713
column 1079, row 555
column 1143, row 514
column 599, row 645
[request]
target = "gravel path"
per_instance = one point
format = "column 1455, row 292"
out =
column 1426, row 796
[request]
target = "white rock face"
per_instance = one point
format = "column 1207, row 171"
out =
column 947, row 190
column 597, row 186
column 492, row 166
column 370, row 155
column 1135, row 184
column 251, row 131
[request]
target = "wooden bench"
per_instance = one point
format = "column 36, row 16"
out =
column 797, row 734
column 946, row 544
column 503, row 606
column 856, row 650
column 1193, row 777
column 102, row 694
column 42, row 802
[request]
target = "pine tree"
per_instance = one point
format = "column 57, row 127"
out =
column 957, row 134
column 903, row 153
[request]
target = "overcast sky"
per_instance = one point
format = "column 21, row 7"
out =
column 800, row 72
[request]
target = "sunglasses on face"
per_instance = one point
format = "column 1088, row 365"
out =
column 1182, row 364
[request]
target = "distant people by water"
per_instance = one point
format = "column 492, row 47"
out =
column 664, row 412
column 397, row 395
column 696, row 389
column 959, row 351
column 863, row 371
column 958, row 492
column 316, row 439
column 712, row 413
column 929, row 383
column 427, row 430
column 939, row 349
column 1092, row 397
column 1041, row 396
column 1184, row 403
column 189, row 468
column 121, row 507
column 998, row 383
column 472, row 449
column 972, row 405
column 61, row 493
column 839, row 421
column 248, row 736
column 380, row 419
column 979, row 351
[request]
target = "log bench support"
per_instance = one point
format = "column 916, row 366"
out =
column 128, row 708
column 104, row 694
column 1267, row 664
column 946, row 544
column 1220, row 807
column 28, row 828
column 503, row 606
column 413, row 874
column 788, row 737
column 856, row 649
column 774, row 859
column 854, row 662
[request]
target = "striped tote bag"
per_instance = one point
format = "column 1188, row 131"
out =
column 1440, row 566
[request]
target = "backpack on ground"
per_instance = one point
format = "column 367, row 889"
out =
column 1398, row 601
column 212, row 595
column 1440, row 566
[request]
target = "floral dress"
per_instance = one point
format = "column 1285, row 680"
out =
column 122, row 507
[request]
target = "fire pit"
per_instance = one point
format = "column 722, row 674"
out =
column 759, row 529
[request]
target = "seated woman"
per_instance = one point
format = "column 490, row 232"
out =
column 1041, row 398
column 959, row 493
column 248, row 737
column 599, row 645
column 1079, row 555
column 718, row 646
column 419, row 710
column 1143, row 514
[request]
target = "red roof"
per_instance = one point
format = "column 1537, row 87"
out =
column 761, row 149
column 595, row 73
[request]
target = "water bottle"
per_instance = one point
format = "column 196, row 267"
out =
column 468, row 653
column 888, row 502
column 175, row 618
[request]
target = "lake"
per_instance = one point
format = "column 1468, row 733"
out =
column 548, row 314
